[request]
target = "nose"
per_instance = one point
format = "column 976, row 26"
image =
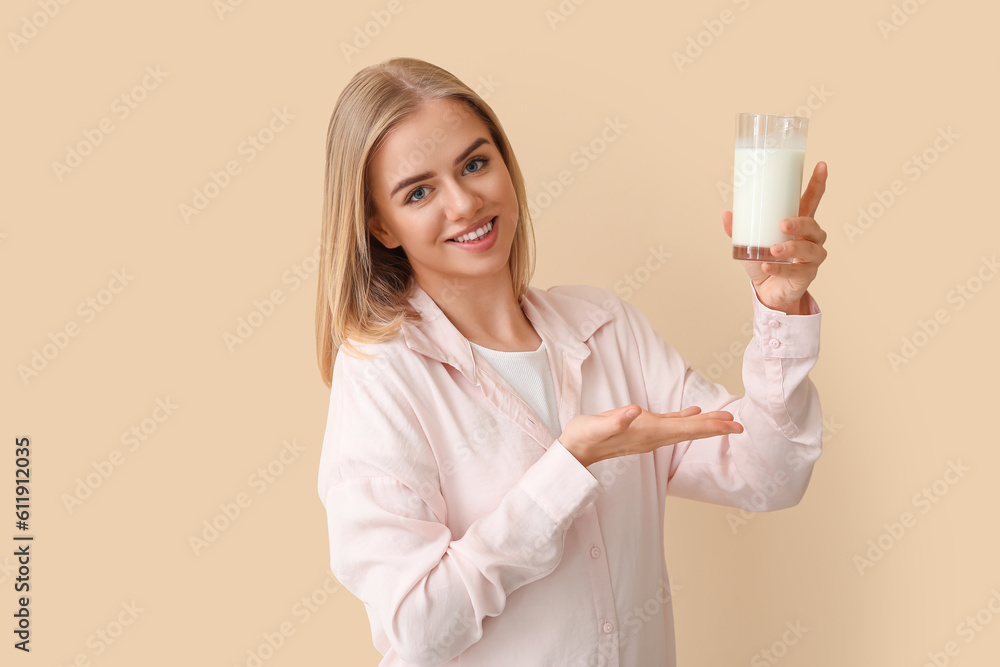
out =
column 460, row 201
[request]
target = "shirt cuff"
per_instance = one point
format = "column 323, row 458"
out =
column 786, row 336
column 560, row 484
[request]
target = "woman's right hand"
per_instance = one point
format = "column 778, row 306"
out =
column 632, row 430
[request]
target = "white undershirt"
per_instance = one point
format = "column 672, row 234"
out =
column 529, row 374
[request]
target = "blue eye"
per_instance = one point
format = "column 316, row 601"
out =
column 479, row 159
column 410, row 197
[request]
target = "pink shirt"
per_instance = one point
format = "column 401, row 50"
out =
column 474, row 537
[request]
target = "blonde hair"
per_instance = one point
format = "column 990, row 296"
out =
column 363, row 285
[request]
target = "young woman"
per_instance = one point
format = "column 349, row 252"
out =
column 497, row 456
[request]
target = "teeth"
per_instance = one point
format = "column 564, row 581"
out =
column 478, row 234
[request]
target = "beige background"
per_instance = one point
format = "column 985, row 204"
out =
column 875, row 98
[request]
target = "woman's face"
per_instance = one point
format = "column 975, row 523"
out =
column 439, row 176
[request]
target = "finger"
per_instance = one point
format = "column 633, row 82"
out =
column 715, row 414
column 799, row 274
column 701, row 426
column 809, row 201
column 727, row 223
column 672, row 431
column 693, row 413
column 799, row 251
column 806, row 228
column 712, row 428
column 686, row 412
column 600, row 427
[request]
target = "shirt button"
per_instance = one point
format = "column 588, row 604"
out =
column 774, row 324
column 595, row 552
column 608, row 627
column 774, row 342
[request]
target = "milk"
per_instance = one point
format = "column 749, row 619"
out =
column 767, row 185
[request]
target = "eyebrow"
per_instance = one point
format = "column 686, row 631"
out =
column 419, row 177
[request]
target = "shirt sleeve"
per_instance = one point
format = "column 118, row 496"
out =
column 769, row 465
column 389, row 541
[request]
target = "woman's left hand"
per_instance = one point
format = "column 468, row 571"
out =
column 783, row 286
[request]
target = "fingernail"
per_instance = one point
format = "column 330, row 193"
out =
column 777, row 247
column 631, row 412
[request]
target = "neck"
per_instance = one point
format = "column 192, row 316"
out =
column 484, row 310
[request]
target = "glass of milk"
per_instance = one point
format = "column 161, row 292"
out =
column 767, row 181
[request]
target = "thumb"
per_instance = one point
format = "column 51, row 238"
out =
column 618, row 420
column 631, row 412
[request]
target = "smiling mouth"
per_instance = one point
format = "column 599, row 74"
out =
column 477, row 234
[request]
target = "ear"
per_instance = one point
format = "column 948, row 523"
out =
column 378, row 230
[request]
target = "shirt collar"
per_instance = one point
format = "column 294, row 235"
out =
column 563, row 321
